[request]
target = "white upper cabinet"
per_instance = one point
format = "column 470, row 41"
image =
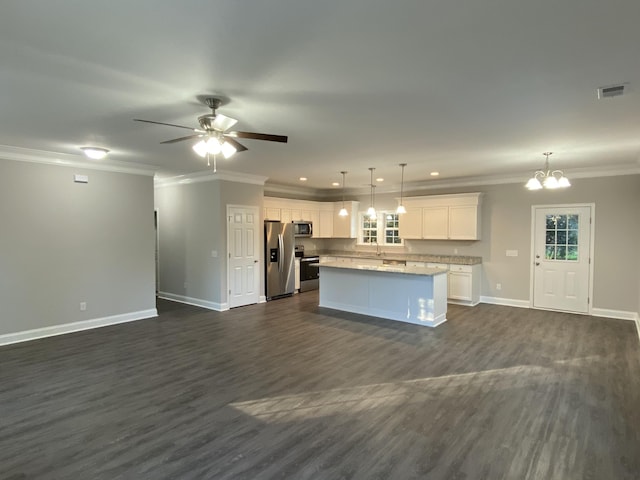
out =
column 442, row 217
column 410, row 224
column 324, row 216
column 435, row 223
column 345, row 227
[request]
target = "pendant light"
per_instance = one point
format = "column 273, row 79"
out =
column 343, row 211
column 550, row 179
column 401, row 208
column 371, row 211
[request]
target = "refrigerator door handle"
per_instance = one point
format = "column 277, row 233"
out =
column 280, row 251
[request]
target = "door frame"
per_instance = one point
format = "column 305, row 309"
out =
column 260, row 239
column 592, row 262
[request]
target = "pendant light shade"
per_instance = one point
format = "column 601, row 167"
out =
column 547, row 178
column 343, row 211
column 401, row 208
column 371, row 211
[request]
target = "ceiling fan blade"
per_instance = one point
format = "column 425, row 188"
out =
column 168, row 125
column 239, row 147
column 222, row 122
column 188, row 137
column 259, row 136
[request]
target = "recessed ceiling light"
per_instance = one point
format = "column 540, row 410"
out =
column 336, row 184
column 303, row 179
column 379, row 179
column 95, row 153
column 434, row 174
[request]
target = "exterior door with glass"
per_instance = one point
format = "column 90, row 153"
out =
column 561, row 258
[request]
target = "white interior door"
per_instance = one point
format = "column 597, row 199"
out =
column 561, row 258
column 243, row 232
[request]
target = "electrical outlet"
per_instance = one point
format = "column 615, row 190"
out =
column 498, row 286
column 83, row 306
column 214, row 254
column 185, row 284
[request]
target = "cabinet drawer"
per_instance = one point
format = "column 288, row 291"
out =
column 461, row 268
column 440, row 266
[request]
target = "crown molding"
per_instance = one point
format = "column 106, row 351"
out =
column 19, row 154
column 424, row 185
column 209, row 176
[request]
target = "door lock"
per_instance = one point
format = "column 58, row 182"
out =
column 537, row 256
column 537, row 263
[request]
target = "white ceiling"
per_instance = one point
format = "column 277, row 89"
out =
column 468, row 88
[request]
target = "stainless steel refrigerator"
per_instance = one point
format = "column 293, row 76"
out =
column 279, row 259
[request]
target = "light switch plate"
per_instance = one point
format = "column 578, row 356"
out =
column 512, row 253
column 81, row 178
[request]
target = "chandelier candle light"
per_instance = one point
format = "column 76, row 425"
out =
column 343, row 211
column 371, row 211
column 550, row 179
column 401, row 208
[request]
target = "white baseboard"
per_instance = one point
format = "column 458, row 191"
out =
column 596, row 312
column 509, row 302
column 263, row 299
column 619, row 314
column 218, row 307
column 54, row 330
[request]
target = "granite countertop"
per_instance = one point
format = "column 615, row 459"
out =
column 424, row 271
column 413, row 257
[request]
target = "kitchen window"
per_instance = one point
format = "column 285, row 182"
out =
column 384, row 230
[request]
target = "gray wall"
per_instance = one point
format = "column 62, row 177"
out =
column 192, row 224
column 506, row 224
column 63, row 243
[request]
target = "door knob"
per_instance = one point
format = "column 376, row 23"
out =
column 537, row 256
column 255, row 261
column 537, row 263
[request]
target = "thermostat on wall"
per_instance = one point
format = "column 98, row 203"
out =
column 81, row 178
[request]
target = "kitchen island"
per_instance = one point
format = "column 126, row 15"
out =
column 396, row 292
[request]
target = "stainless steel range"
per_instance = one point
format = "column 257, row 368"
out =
column 309, row 277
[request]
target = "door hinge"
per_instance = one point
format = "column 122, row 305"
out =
column 229, row 292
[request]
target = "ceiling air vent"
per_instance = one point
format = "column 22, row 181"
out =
column 612, row 91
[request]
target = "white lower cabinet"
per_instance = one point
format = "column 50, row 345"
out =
column 464, row 284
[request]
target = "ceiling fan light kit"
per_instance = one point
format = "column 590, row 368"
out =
column 213, row 135
column 547, row 178
column 95, row 153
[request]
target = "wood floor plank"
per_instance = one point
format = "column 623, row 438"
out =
column 287, row 389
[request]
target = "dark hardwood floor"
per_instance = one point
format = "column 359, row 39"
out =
column 289, row 390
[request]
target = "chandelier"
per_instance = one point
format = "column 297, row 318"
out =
column 547, row 178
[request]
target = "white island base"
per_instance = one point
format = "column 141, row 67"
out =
column 407, row 294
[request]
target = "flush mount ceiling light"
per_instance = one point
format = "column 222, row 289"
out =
column 401, row 208
column 547, row 178
column 371, row 211
column 343, row 211
column 96, row 153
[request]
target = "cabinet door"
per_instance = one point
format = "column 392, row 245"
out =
column 296, row 214
column 459, row 285
column 325, row 229
column 272, row 213
column 285, row 215
column 297, row 274
column 463, row 222
column 435, row 222
column 410, row 223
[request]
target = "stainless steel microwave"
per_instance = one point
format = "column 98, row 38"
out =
column 302, row 229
